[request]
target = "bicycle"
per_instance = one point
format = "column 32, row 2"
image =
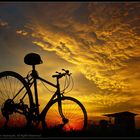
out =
column 19, row 109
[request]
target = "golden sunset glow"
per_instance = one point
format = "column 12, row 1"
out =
column 98, row 42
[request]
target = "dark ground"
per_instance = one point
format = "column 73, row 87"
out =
column 94, row 132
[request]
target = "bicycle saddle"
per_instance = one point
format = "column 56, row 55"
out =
column 32, row 59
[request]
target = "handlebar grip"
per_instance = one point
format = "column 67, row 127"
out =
column 59, row 76
column 54, row 76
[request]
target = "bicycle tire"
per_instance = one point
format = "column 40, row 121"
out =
column 74, row 123
column 10, row 83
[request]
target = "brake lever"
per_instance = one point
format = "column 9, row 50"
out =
column 69, row 74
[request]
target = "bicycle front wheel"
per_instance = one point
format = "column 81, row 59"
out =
column 15, row 100
column 73, row 111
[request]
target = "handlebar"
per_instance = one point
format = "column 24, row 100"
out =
column 60, row 75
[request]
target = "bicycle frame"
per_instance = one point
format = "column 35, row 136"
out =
column 22, row 101
column 57, row 94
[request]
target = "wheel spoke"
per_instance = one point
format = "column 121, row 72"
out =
column 72, row 109
column 10, row 85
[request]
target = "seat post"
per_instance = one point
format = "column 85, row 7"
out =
column 33, row 67
column 35, row 75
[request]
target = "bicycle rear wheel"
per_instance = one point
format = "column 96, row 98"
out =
column 72, row 109
column 15, row 100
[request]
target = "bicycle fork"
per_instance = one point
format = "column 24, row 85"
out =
column 60, row 109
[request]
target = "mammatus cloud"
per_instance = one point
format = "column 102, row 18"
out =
column 103, row 43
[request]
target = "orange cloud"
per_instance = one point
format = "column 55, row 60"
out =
column 22, row 32
column 3, row 23
column 104, row 46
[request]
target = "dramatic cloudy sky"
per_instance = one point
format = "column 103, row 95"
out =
column 98, row 42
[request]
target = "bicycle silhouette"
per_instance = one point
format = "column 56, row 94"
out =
column 18, row 108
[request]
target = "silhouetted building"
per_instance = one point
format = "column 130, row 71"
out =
column 103, row 124
column 123, row 120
